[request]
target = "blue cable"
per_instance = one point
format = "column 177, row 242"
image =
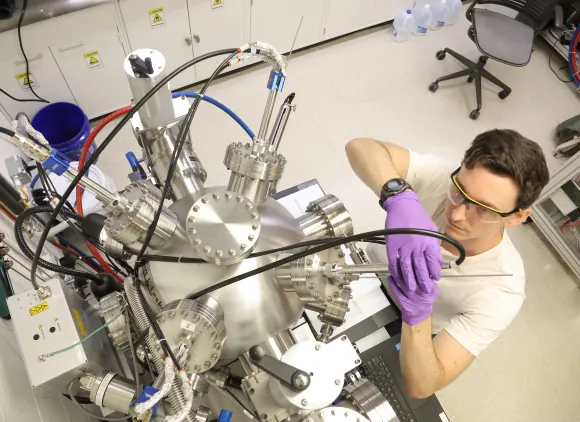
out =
column 221, row 106
column 571, row 58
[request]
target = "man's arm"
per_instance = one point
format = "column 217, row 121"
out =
column 375, row 162
column 429, row 364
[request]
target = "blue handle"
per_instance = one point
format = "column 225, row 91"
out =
column 225, row 416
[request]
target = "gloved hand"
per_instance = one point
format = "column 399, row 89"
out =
column 416, row 306
column 413, row 259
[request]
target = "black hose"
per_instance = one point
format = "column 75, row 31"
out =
column 7, row 131
column 8, row 200
column 102, row 147
column 9, row 187
column 186, row 260
column 336, row 242
column 19, row 235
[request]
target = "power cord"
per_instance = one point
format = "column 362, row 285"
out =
column 556, row 41
column 328, row 245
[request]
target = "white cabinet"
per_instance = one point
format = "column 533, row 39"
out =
column 384, row 10
column 46, row 79
column 91, row 60
column 276, row 22
column 214, row 27
column 162, row 25
column 347, row 15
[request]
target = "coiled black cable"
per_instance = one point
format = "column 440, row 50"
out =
column 20, row 239
column 328, row 245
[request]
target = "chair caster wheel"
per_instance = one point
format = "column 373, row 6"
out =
column 433, row 87
column 503, row 94
column 470, row 79
column 474, row 114
column 483, row 59
column 440, row 55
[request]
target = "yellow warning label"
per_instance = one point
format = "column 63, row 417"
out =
column 217, row 4
column 157, row 17
column 38, row 309
column 93, row 60
column 80, row 322
column 26, row 80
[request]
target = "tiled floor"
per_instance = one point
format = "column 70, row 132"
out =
column 368, row 85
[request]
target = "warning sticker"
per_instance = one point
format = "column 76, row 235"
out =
column 157, row 18
column 38, row 309
column 217, row 4
column 93, row 60
column 26, row 80
column 80, row 322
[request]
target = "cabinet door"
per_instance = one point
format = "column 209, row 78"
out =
column 46, row 79
column 161, row 25
column 215, row 25
column 268, row 26
column 385, row 10
column 91, row 61
column 347, row 15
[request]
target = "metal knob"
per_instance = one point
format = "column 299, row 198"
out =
column 188, row 40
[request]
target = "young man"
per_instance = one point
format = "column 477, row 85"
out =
column 501, row 175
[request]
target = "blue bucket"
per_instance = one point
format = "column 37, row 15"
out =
column 66, row 128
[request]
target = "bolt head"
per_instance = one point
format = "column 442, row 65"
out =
column 251, row 237
column 304, row 402
column 357, row 361
column 204, row 200
column 249, row 206
column 219, row 252
column 195, row 209
column 217, row 346
column 216, row 196
column 255, row 226
column 311, row 286
column 214, row 356
column 207, row 364
column 255, row 215
column 191, row 219
column 206, row 249
column 337, row 382
column 192, row 230
column 317, row 347
column 197, row 240
column 243, row 246
column 228, row 195
column 232, row 252
column 333, row 412
column 240, row 198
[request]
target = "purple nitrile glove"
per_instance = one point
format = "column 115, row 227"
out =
column 413, row 259
column 416, row 306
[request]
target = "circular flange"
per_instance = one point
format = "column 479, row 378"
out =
column 223, row 226
column 335, row 414
column 199, row 325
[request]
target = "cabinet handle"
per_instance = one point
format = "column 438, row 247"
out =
column 196, row 38
column 22, row 61
column 70, row 47
column 188, row 40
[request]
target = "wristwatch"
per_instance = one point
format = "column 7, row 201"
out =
column 393, row 187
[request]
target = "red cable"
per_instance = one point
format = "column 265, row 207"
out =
column 82, row 159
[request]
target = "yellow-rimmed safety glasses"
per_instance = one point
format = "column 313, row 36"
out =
column 485, row 213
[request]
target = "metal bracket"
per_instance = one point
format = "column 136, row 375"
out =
column 291, row 377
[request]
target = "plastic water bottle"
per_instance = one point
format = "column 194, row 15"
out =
column 439, row 12
column 455, row 9
column 423, row 18
column 403, row 25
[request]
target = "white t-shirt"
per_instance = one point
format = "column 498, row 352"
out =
column 473, row 310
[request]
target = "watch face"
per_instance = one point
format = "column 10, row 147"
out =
column 394, row 184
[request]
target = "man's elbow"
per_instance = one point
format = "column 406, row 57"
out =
column 418, row 391
column 355, row 146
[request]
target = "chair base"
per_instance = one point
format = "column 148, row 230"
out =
column 474, row 71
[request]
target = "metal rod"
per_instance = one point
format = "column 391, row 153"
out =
column 103, row 195
column 268, row 113
column 383, row 269
column 280, row 123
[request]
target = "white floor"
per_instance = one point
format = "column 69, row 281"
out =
column 368, row 85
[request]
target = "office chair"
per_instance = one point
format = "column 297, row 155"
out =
column 500, row 37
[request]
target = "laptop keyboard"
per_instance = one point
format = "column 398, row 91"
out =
column 377, row 371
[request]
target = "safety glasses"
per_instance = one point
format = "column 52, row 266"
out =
column 457, row 197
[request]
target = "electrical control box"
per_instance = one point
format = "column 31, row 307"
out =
column 58, row 322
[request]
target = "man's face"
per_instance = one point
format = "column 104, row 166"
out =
column 495, row 191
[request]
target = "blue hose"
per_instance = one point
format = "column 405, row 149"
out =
column 572, row 57
column 221, row 106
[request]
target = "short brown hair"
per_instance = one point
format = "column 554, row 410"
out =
column 507, row 153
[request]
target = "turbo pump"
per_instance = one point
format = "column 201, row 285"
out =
column 221, row 276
